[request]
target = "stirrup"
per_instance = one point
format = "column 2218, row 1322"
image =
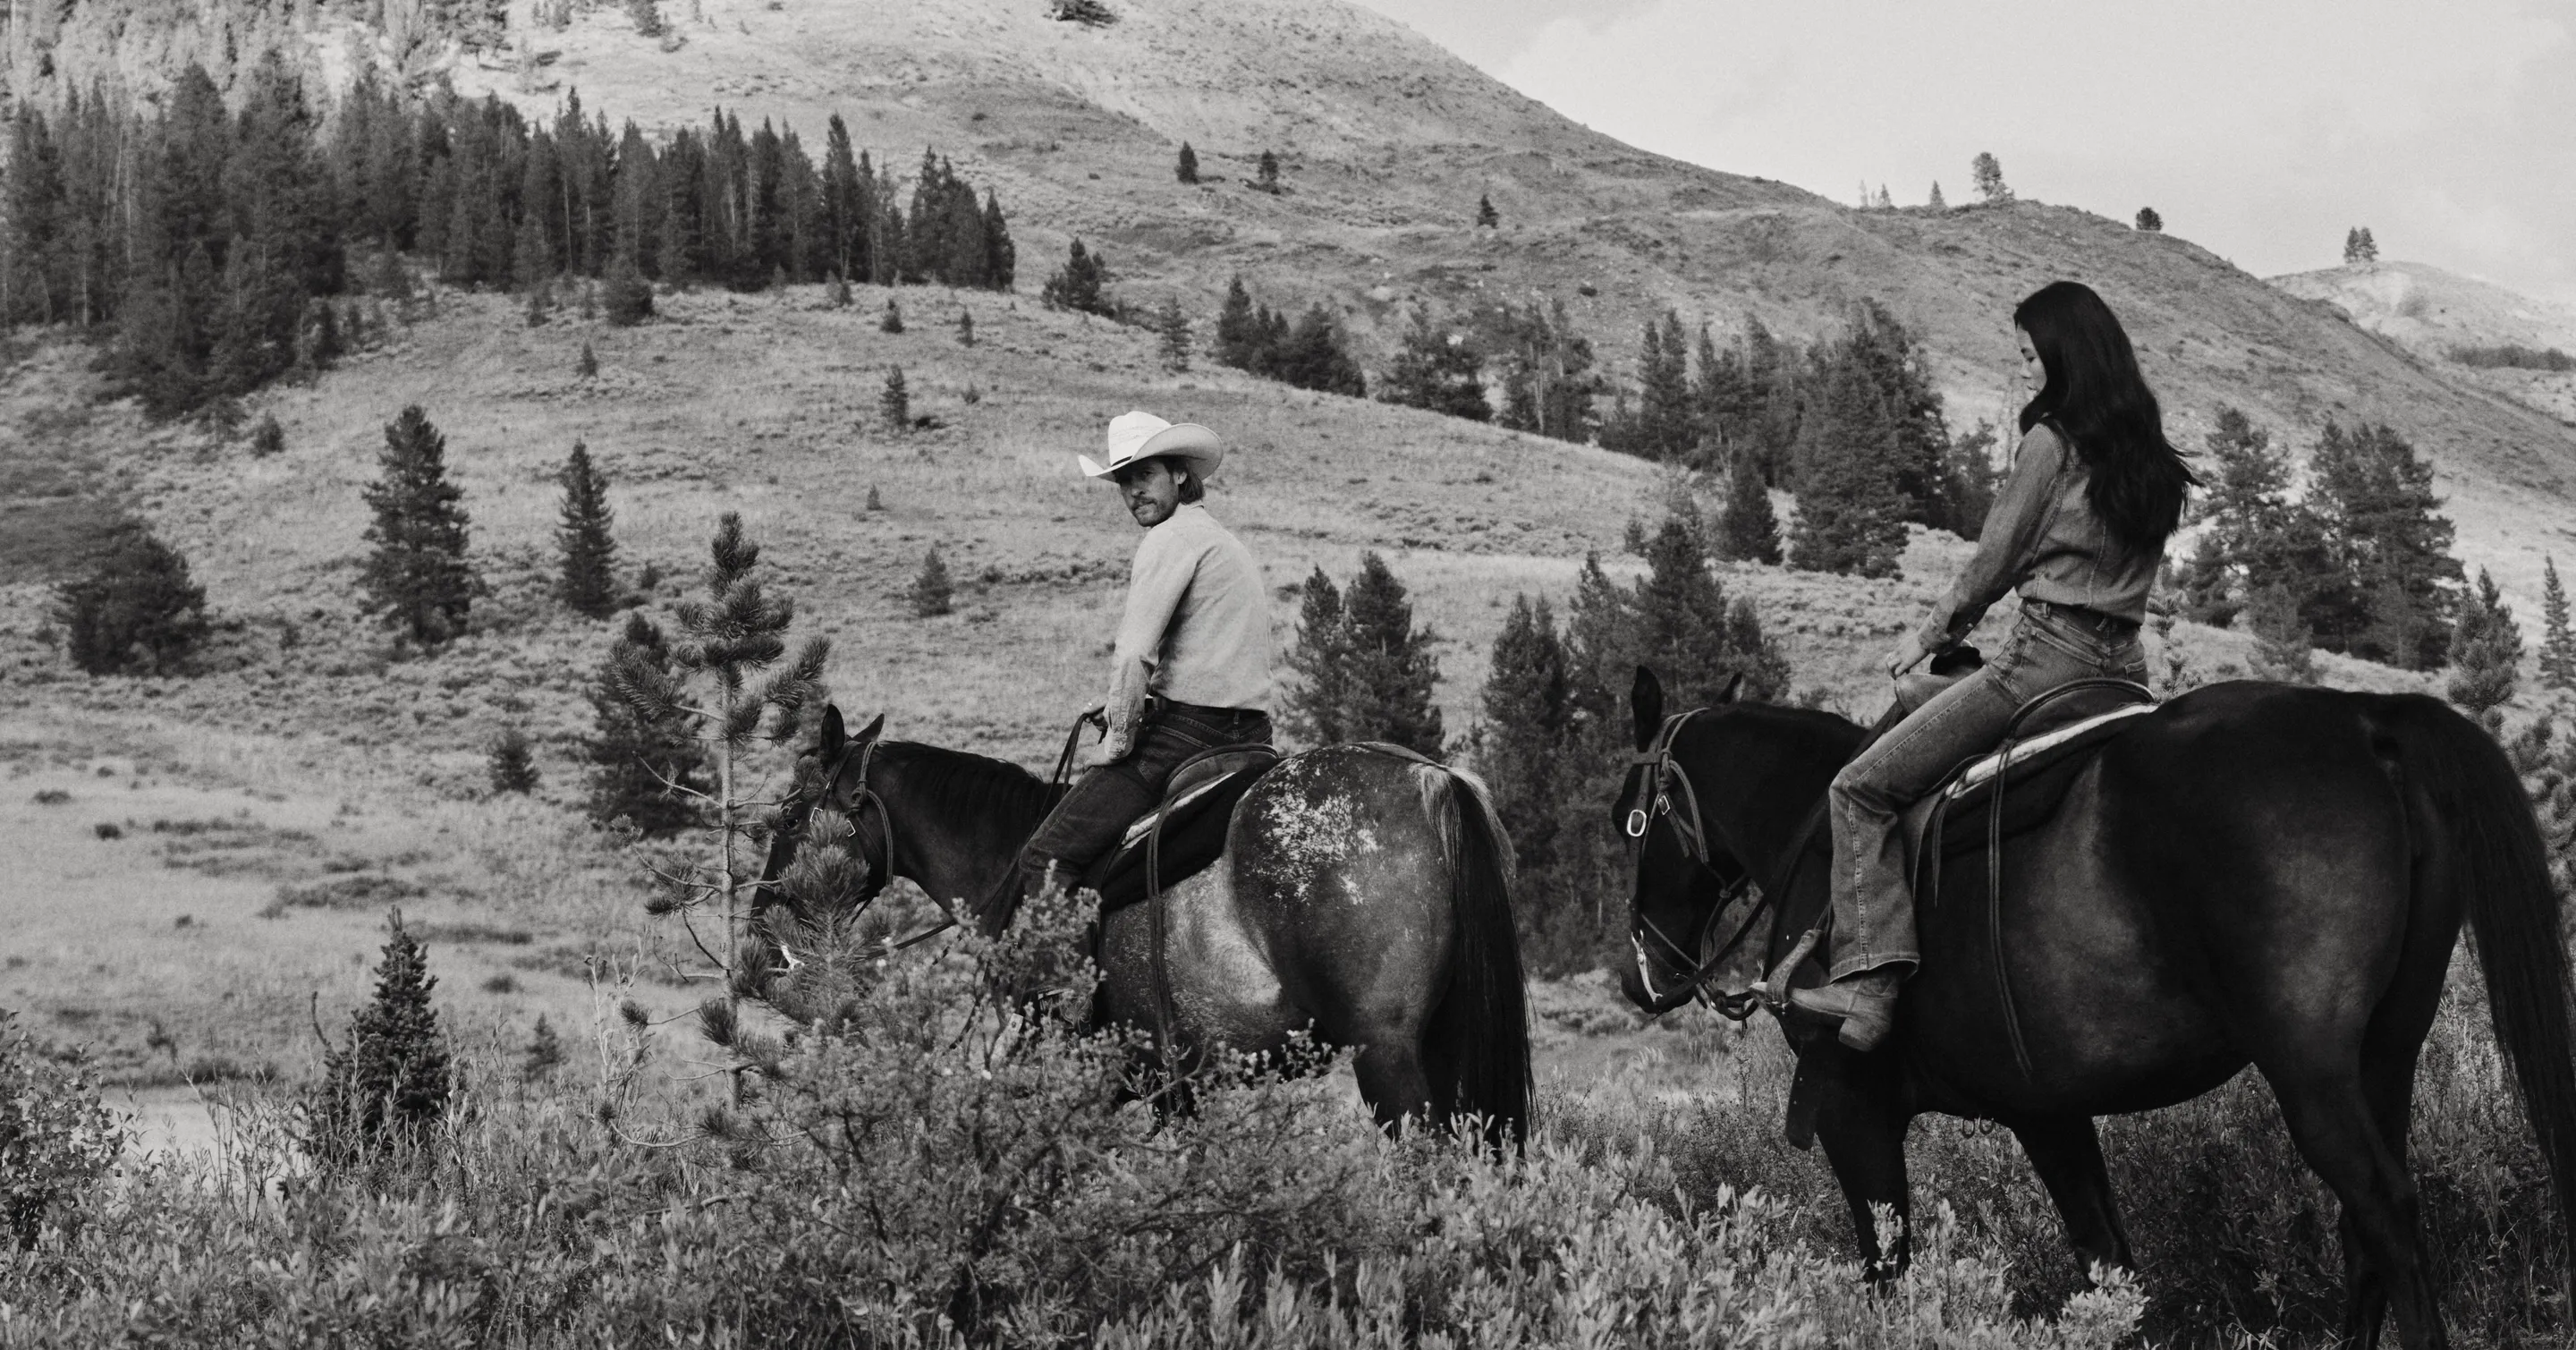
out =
column 1775, row 990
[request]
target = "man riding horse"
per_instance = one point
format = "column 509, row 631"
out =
column 1190, row 669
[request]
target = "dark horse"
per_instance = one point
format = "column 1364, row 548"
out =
column 2253, row 873
column 1363, row 897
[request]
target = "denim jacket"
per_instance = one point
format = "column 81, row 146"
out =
column 2042, row 538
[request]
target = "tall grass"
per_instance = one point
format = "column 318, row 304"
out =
column 955, row 1167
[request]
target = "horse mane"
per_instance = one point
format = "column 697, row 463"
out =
column 1844, row 732
column 961, row 785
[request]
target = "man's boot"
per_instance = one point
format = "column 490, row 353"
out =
column 1864, row 1003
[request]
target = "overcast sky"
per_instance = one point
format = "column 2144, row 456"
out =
column 2261, row 129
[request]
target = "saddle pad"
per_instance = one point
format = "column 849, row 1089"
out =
column 2041, row 770
column 1193, row 823
column 2028, row 752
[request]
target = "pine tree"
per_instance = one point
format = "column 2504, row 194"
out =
column 2557, row 643
column 931, row 593
column 965, row 328
column 1268, row 172
column 875, row 502
column 1437, row 369
column 1487, row 218
column 2281, row 647
column 1076, row 285
column 417, row 578
column 837, row 292
column 1529, row 717
column 1936, row 203
column 1187, row 170
column 387, row 1087
column 2390, row 545
column 893, row 320
column 1970, row 480
column 1682, row 625
column 2149, row 222
column 1748, row 530
column 2359, row 247
column 1391, row 671
column 1172, row 332
column 2486, row 655
column 1850, row 517
column 588, row 585
column 735, row 634
column 1238, row 331
column 894, row 403
column 1313, row 355
column 1989, row 174
column 1319, row 656
column 512, row 765
column 629, row 297
column 588, row 366
column 133, row 608
column 647, row 772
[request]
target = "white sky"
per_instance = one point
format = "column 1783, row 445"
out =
column 2260, row 129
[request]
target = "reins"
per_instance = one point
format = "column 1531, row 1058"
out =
column 1666, row 774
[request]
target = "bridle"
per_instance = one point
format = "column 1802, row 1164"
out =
column 1664, row 776
column 862, row 800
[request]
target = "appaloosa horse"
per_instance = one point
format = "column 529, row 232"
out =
column 2252, row 873
column 1364, row 896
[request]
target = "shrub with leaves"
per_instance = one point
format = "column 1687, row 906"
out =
column 133, row 609
column 57, row 1143
column 385, row 1091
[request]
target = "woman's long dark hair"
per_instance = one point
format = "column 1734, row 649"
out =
column 2096, row 398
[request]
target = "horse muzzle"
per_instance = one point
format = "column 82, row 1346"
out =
column 1652, row 990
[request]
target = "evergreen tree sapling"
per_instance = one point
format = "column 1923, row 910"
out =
column 1187, row 169
column 1268, row 180
column 965, row 327
column 2149, row 222
column 1172, row 335
column 629, row 298
column 267, row 438
column 512, row 763
column 2557, row 642
column 1487, row 218
column 713, row 686
column 133, row 608
column 892, row 322
column 545, row 1051
column 417, row 577
column 931, row 593
column 388, row 1085
column 588, row 585
column 645, row 772
column 894, row 402
column 1935, row 201
column 587, row 367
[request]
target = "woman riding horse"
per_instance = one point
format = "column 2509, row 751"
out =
column 2079, row 531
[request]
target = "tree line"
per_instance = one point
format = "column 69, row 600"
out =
column 212, row 241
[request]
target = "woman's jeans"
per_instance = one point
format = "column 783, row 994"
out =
column 1094, row 814
column 1873, row 897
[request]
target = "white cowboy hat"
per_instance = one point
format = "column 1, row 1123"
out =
column 1139, row 436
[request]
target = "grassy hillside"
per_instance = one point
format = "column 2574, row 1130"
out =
column 1386, row 143
column 2431, row 313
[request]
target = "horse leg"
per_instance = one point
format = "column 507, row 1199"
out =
column 1863, row 1131
column 2067, row 1154
column 2337, row 1124
column 1393, row 1082
column 2389, row 1052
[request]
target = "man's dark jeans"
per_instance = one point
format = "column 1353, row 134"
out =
column 1096, row 811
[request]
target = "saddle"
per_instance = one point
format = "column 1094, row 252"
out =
column 1182, row 837
column 2051, row 740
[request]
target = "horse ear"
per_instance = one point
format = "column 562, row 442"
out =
column 869, row 732
column 1733, row 684
column 833, row 737
column 1646, row 706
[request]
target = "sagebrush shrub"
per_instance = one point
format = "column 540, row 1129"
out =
column 57, row 1143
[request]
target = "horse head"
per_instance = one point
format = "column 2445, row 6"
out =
column 1690, row 874
column 832, row 792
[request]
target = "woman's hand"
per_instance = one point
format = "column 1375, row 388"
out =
column 1906, row 655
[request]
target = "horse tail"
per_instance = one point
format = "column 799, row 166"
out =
column 2498, row 857
column 1476, row 1048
